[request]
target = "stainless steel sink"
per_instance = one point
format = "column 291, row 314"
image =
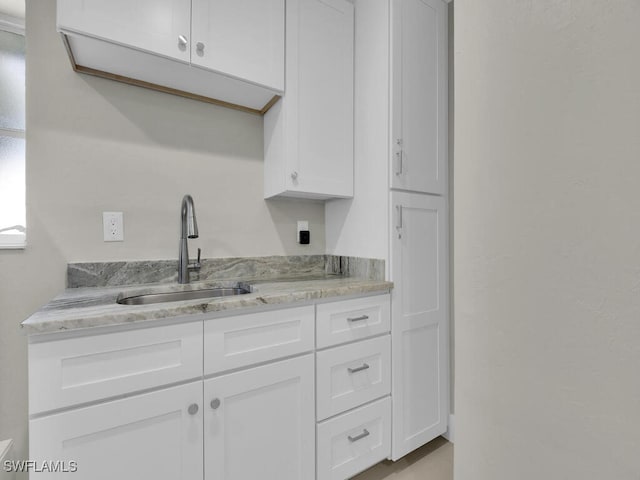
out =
column 184, row 295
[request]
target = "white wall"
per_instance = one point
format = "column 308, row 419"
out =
column 94, row 145
column 547, row 239
column 359, row 226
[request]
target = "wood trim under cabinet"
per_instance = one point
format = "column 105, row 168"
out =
column 160, row 88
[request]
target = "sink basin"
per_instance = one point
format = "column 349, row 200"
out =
column 184, row 295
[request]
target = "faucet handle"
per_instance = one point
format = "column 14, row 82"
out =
column 195, row 265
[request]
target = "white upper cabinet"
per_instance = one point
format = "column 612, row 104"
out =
column 309, row 134
column 419, row 96
column 228, row 52
column 151, row 25
column 241, row 38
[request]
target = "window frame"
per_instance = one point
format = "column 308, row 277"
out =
column 13, row 241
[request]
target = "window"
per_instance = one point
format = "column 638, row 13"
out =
column 12, row 135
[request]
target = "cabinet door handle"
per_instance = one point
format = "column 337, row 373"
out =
column 215, row 403
column 365, row 366
column 182, row 41
column 294, row 175
column 399, row 221
column 193, row 409
column 357, row 319
column 399, row 156
column 365, row 433
column 200, row 47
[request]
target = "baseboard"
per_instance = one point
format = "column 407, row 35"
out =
column 451, row 430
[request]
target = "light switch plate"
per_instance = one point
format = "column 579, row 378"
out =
column 113, row 226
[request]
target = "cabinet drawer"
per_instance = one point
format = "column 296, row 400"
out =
column 354, row 441
column 340, row 322
column 78, row 370
column 234, row 342
column 353, row 374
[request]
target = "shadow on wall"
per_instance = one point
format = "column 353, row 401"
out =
column 169, row 121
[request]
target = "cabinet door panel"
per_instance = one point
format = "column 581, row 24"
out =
column 350, row 375
column 150, row 25
column 241, row 38
column 147, row 436
column 86, row 369
column 242, row 340
column 308, row 135
column 261, row 424
column 346, row 320
column 419, row 96
column 354, row 441
column 420, row 384
column 322, row 87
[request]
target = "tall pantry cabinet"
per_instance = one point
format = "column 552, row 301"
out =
column 401, row 155
column 419, row 252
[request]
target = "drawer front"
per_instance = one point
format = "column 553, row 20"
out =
column 84, row 369
column 354, row 441
column 234, row 342
column 340, row 322
column 353, row 374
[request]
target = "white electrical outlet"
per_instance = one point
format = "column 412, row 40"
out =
column 113, row 226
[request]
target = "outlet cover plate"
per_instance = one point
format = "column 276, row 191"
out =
column 113, row 226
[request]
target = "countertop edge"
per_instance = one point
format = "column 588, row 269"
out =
column 72, row 319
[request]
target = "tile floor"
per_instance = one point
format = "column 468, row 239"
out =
column 434, row 461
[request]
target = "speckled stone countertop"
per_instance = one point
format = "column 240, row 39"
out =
column 80, row 308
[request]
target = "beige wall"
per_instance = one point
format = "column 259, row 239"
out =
column 95, row 145
column 547, row 244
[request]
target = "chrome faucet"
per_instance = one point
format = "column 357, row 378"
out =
column 189, row 229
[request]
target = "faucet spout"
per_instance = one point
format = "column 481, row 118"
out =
column 188, row 229
column 188, row 218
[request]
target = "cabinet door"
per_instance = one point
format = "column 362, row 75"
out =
column 420, row 337
column 419, row 96
column 151, row 25
column 259, row 423
column 308, row 135
column 319, row 127
column 240, row 38
column 151, row 436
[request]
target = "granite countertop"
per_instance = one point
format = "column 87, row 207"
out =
column 79, row 308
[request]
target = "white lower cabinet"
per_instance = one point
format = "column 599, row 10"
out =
column 353, row 374
column 155, row 436
column 220, row 398
column 420, row 321
column 354, row 441
column 259, row 423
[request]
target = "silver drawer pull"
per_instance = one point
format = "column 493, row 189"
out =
column 365, row 433
column 357, row 319
column 365, row 366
